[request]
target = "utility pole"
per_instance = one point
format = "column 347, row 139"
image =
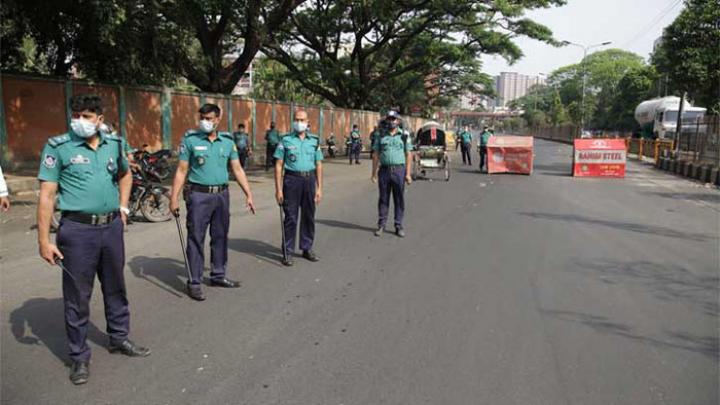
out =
column 585, row 49
column 678, row 126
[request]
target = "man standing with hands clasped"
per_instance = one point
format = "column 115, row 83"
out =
column 300, row 188
column 204, row 154
column 392, row 156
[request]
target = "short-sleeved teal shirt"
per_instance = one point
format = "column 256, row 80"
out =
column 392, row 149
column 465, row 136
column 242, row 140
column 272, row 137
column 87, row 178
column 208, row 160
column 299, row 155
column 484, row 137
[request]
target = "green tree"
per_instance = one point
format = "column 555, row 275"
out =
column 689, row 53
column 271, row 81
column 350, row 51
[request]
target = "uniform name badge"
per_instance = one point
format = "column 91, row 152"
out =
column 80, row 160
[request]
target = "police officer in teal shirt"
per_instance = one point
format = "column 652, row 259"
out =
column 392, row 165
column 88, row 170
column 298, row 185
column 203, row 160
column 242, row 141
column 465, row 138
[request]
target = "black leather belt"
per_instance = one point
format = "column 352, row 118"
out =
column 391, row 166
column 208, row 189
column 90, row 219
column 300, row 174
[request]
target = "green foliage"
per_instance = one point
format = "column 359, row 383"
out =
column 689, row 53
column 272, row 82
column 376, row 53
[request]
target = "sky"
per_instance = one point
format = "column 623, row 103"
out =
column 631, row 25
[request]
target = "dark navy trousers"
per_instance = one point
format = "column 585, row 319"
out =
column 299, row 195
column 205, row 209
column 483, row 156
column 391, row 181
column 355, row 152
column 465, row 150
column 91, row 250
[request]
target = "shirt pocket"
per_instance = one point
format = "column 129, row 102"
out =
column 308, row 151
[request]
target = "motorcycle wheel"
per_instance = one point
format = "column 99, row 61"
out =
column 156, row 209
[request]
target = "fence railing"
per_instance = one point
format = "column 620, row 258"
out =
column 699, row 141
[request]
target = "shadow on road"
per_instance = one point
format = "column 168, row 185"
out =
column 665, row 282
column 344, row 225
column 705, row 345
column 41, row 321
column 163, row 272
column 258, row 249
column 623, row 226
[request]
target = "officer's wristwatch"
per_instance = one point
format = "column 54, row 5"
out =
column 125, row 210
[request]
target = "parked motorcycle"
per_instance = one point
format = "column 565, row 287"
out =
column 155, row 164
column 148, row 198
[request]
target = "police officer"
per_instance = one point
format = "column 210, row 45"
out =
column 203, row 160
column 392, row 165
column 89, row 170
column 272, row 138
column 300, row 188
column 465, row 138
column 482, row 146
column 242, row 142
column 355, row 144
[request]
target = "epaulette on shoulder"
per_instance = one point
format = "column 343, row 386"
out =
column 225, row 134
column 113, row 137
column 311, row 135
column 56, row 141
column 190, row 132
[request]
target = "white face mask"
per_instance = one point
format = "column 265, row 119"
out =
column 207, row 126
column 300, row 126
column 83, row 128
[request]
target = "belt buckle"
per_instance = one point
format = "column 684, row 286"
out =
column 214, row 189
column 95, row 220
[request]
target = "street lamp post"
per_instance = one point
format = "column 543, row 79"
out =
column 585, row 49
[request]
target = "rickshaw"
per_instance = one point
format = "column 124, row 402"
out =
column 431, row 151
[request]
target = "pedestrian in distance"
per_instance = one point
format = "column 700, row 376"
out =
column 392, row 165
column 374, row 136
column 298, row 186
column 465, row 145
column 272, row 138
column 482, row 147
column 203, row 161
column 242, row 142
column 88, row 170
column 355, row 145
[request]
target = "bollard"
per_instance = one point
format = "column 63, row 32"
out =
column 672, row 165
column 714, row 175
column 686, row 169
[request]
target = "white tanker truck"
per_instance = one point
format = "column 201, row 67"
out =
column 658, row 117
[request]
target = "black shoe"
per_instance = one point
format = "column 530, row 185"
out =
column 357, row 162
column 379, row 231
column 287, row 262
column 225, row 283
column 400, row 232
column 195, row 292
column 79, row 372
column 128, row 348
column 310, row 255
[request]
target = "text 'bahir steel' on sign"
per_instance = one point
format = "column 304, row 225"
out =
column 599, row 158
column 510, row 154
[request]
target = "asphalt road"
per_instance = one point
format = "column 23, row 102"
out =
column 539, row 289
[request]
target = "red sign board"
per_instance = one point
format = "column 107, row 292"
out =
column 599, row 158
column 510, row 154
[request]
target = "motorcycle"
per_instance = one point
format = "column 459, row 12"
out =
column 149, row 199
column 332, row 149
column 156, row 164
